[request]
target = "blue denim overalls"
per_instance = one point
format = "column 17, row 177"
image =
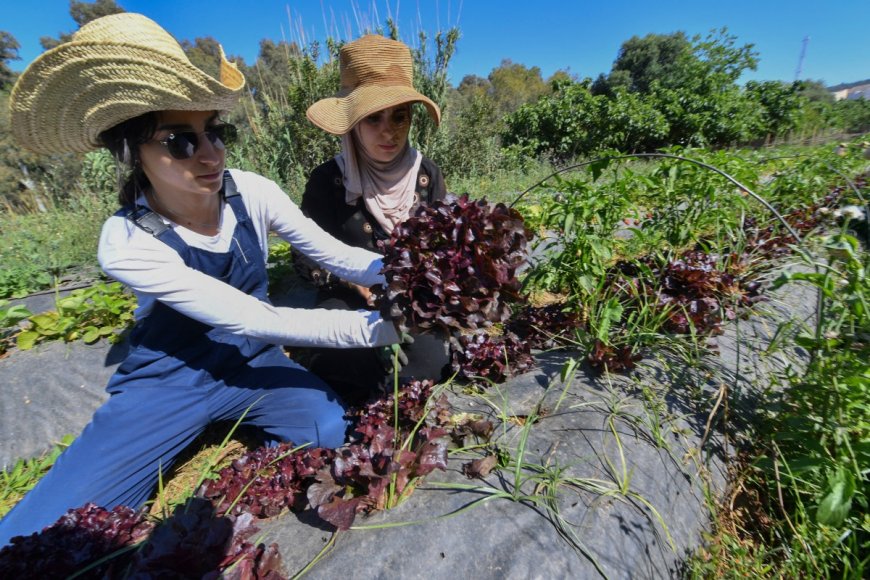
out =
column 179, row 376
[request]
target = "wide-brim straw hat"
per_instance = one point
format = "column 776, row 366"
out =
column 113, row 69
column 376, row 73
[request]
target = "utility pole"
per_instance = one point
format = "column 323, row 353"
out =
column 800, row 66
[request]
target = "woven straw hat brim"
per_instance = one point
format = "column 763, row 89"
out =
column 72, row 93
column 338, row 115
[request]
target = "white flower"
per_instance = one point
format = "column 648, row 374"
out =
column 854, row 212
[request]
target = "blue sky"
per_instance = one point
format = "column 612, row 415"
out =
column 580, row 36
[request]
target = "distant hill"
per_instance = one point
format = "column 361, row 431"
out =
column 843, row 86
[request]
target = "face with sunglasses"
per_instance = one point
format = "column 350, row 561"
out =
column 184, row 160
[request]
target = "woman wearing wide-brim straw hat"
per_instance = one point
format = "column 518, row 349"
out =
column 374, row 183
column 191, row 242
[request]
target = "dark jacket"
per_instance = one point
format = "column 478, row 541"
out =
column 356, row 373
column 324, row 202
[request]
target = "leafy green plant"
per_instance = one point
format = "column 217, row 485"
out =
column 21, row 478
column 89, row 314
column 280, row 265
column 578, row 243
column 10, row 316
column 819, row 456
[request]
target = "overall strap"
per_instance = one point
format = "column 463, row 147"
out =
column 234, row 199
column 152, row 223
column 147, row 220
column 229, row 188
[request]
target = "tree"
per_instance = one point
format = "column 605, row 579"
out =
column 473, row 85
column 82, row 13
column 700, row 96
column 8, row 51
column 204, row 54
column 514, row 84
column 853, row 115
column 779, row 104
column 560, row 125
column 472, row 138
column 655, row 57
column 814, row 91
column 274, row 68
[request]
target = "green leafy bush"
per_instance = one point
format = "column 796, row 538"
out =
column 88, row 314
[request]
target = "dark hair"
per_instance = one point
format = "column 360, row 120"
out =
column 123, row 141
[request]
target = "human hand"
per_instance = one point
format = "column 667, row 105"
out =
column 362, row 291
column 393, row 357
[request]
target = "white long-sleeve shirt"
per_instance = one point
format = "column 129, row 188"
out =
column 154, row 271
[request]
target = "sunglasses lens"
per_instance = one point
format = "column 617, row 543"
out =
column 221, row 136
column 182, row 145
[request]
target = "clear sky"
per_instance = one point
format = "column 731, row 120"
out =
column 580, row 36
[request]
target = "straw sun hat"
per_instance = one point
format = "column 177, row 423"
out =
column 376, row 73
column 113, row 69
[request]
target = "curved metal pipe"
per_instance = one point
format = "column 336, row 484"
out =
column 679, row 158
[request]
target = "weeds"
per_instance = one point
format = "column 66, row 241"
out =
column 26, row 473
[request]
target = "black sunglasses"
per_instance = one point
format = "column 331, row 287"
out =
column 183, row 145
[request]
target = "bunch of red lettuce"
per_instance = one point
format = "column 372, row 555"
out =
column 543, row 327
column 481, row 356
column 613, row 358
column 196, row 543
column 93, row 542
column 452, row 265
column 382, row 460
column 81, row 537
column 266, row 481
column 697, row 293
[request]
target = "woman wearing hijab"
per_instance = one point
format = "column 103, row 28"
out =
column 191, row 242
column 359, row 196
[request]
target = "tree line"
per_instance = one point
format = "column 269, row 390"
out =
column 662, row 90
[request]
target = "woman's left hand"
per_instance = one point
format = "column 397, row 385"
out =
column 364, row 292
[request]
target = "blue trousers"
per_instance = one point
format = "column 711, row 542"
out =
column 140, row 430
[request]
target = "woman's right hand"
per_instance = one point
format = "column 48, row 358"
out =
column 366, row 293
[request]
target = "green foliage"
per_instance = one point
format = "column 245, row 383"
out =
column 692, row 205
column 8, row 51
column 204, row 54
column 641, row 61
column 572, row 121
column 87, row 314
column 853, row 115
column 820, row 435
column 82, row 13
column 430, row 78
column 814, row 91
column 663, row 90
column 513, row 85
column 561, row 125
column 472, row 140
column 578, row 222
column 10, row 316
column 282, row 144
column 39, row 246
column 17, row 481
column 779, row 105
column 280, row 264
column 273, row 69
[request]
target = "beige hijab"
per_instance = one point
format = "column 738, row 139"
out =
column 388, row 189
